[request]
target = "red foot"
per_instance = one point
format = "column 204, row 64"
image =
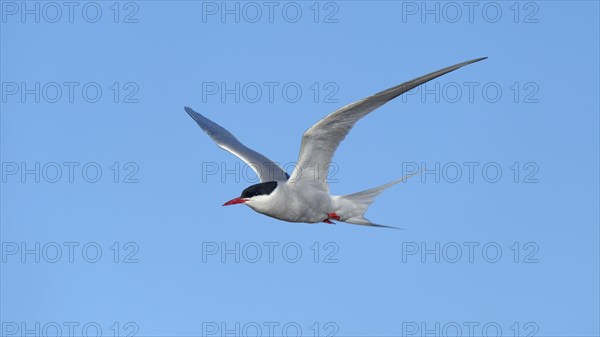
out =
column 329, row 222
column 333, row 216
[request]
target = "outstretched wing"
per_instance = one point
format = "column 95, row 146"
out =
column 321, row 140
column 266, row 169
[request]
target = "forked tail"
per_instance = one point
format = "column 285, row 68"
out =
column 362, row 200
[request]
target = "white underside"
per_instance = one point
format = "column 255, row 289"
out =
column 295, row 202
column 290, row 204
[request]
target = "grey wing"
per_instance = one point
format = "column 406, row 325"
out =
column 266, row 169
column 321, row 140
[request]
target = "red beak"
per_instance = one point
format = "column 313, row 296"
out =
column 235, row 201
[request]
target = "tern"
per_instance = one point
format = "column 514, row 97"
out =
column 304, row 195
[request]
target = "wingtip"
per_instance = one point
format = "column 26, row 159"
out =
column 390, row 227
column 192, row 113
column 460, row 65
column 478, row 59
column 201, row 120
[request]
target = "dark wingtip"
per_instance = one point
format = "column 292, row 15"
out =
column 196, row 116
column 200, row 120
column 475, row 60
column 478, row 59
column 390, row 227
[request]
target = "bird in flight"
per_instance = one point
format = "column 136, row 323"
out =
column 304, row 195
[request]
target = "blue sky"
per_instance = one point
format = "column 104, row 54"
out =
column 111, row 217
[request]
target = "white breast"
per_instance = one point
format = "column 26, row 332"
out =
column 294, row 204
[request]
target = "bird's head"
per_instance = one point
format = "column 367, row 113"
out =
column 254, row 193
